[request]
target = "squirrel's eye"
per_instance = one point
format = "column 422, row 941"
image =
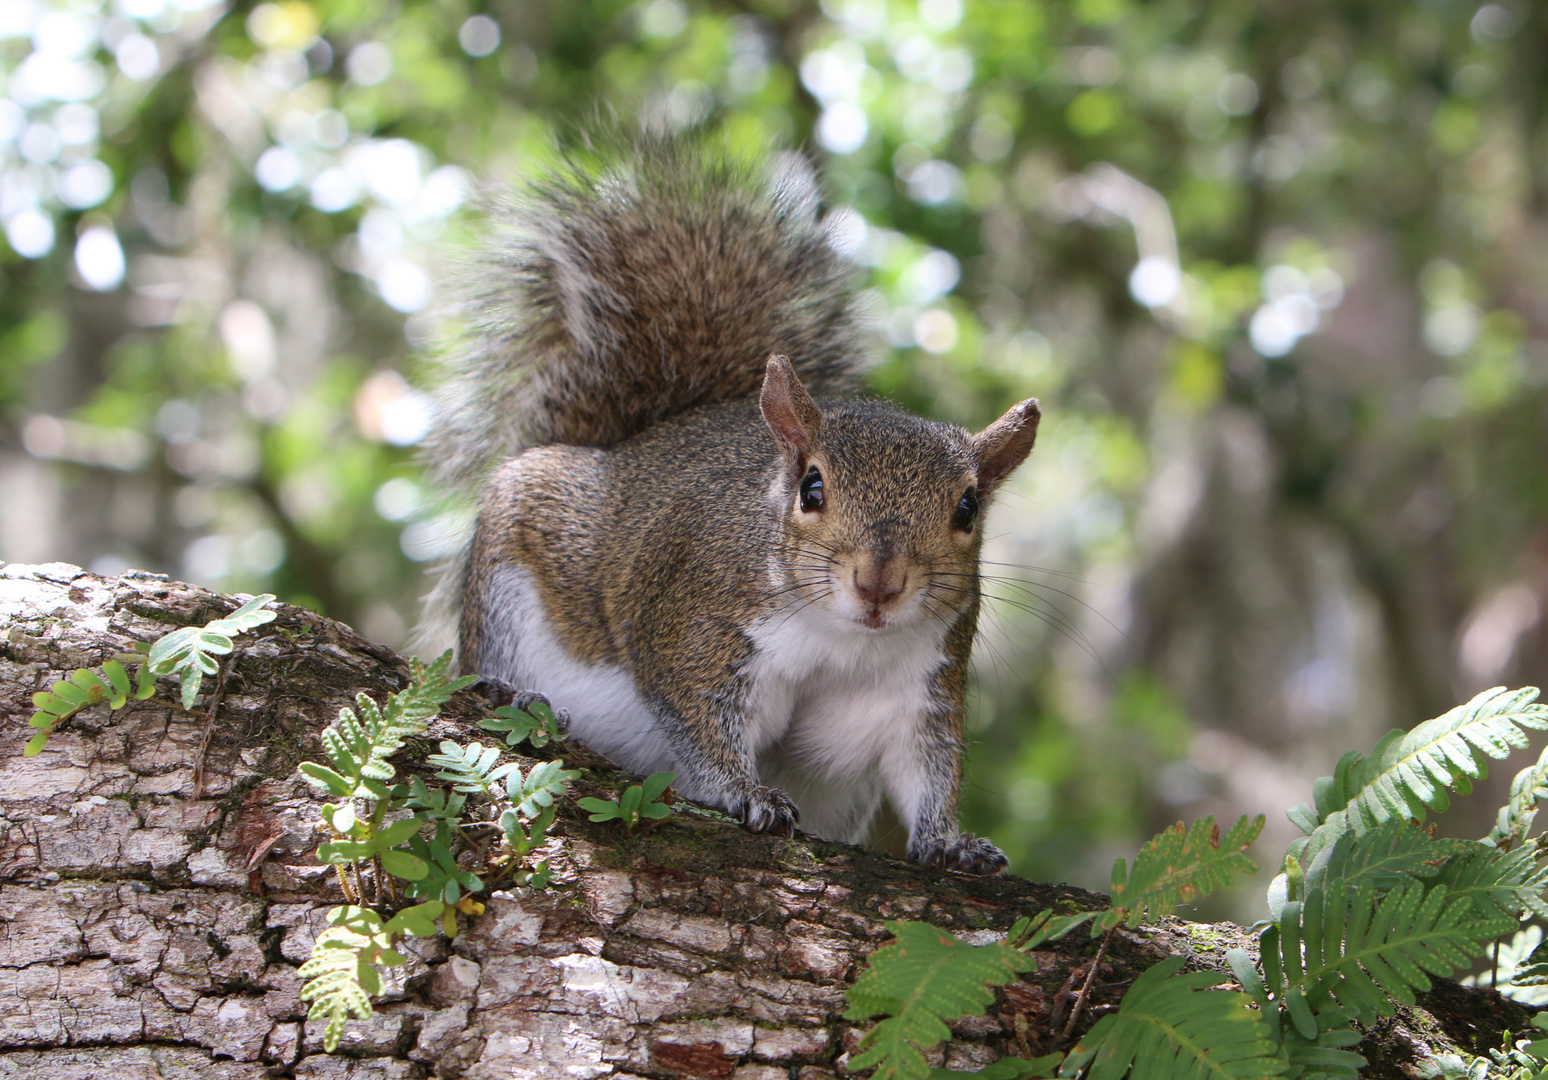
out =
column 967, row 511
column 811, row 490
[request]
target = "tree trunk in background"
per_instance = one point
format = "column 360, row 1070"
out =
column 155, row 913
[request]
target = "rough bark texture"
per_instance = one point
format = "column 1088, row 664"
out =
column 152, row 916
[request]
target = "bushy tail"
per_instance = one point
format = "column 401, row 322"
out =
column 635, row 284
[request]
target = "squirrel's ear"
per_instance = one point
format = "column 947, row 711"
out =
column 1004, row 444
column 788, row 409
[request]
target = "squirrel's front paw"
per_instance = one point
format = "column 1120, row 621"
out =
column 769, row 810
column 969, row 854
column 497, row 692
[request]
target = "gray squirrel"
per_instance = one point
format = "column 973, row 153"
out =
column 692, row 534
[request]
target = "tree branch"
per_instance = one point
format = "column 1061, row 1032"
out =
column 152, row 926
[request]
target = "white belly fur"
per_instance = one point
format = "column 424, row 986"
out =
column 828, row 700
column 606, row 712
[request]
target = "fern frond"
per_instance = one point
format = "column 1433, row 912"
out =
column 1395, row 853
column 1177, row 867
column 341, row 973
column 472, row 769
column 1325, row 1057
column 1527, row 789
column 1501, row 884
column 1368, row 952
column 358, row 744
column 535, row 793
column 190, row 651
column 1408, row 775
column 1170, row 1025
column 429, row 688
column 920, row 981
column 1520, row 969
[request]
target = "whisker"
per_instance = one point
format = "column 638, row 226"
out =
column 1037, row 588
column 1034, row 569
column 1055, row 619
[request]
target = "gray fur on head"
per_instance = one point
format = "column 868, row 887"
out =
column 633, row 283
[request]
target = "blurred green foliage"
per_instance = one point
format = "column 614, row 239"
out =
column 1276, row 273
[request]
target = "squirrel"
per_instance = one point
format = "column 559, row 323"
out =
column 693, row 534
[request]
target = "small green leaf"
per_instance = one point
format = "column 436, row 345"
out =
column 91, row 682
column 120, row 680
column 515, row 835
column 169, row 649
column 250, row 613
column 146, row 685
column 43, row 720
column 402, row 864
column 655, row 811
column 191, row 680
column 601, row 809
column 657, row 783
column 71, row 693
column 341, row 817
column 629, row 803
column 345, row 851
column 398, row 832
column 372, row 789
column 51, row 704
column 323, row 777
column 219, row 644
column 35, row 744
column 1301, row 1013
column 419, row 920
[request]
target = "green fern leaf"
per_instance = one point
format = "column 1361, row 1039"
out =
column 1396, row 853
column 1514, row 822
column 1171, row 1025
column 1369, row 952
column 1177, row 867
column 1501, row 884
column 1325, row 1057
column 341, row 973
column 536, row 792
column 920, row 981
column 189, row 652
column 472, row 769
column 359, row 743
column 1408, row 775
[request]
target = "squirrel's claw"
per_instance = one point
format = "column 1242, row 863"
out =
column 968, row 855
column 769, row 810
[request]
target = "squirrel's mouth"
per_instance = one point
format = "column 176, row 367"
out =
column 873, row 619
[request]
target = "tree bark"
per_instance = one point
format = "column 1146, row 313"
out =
column 156, row 901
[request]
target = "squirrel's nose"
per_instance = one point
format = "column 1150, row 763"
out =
column 878, row 587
